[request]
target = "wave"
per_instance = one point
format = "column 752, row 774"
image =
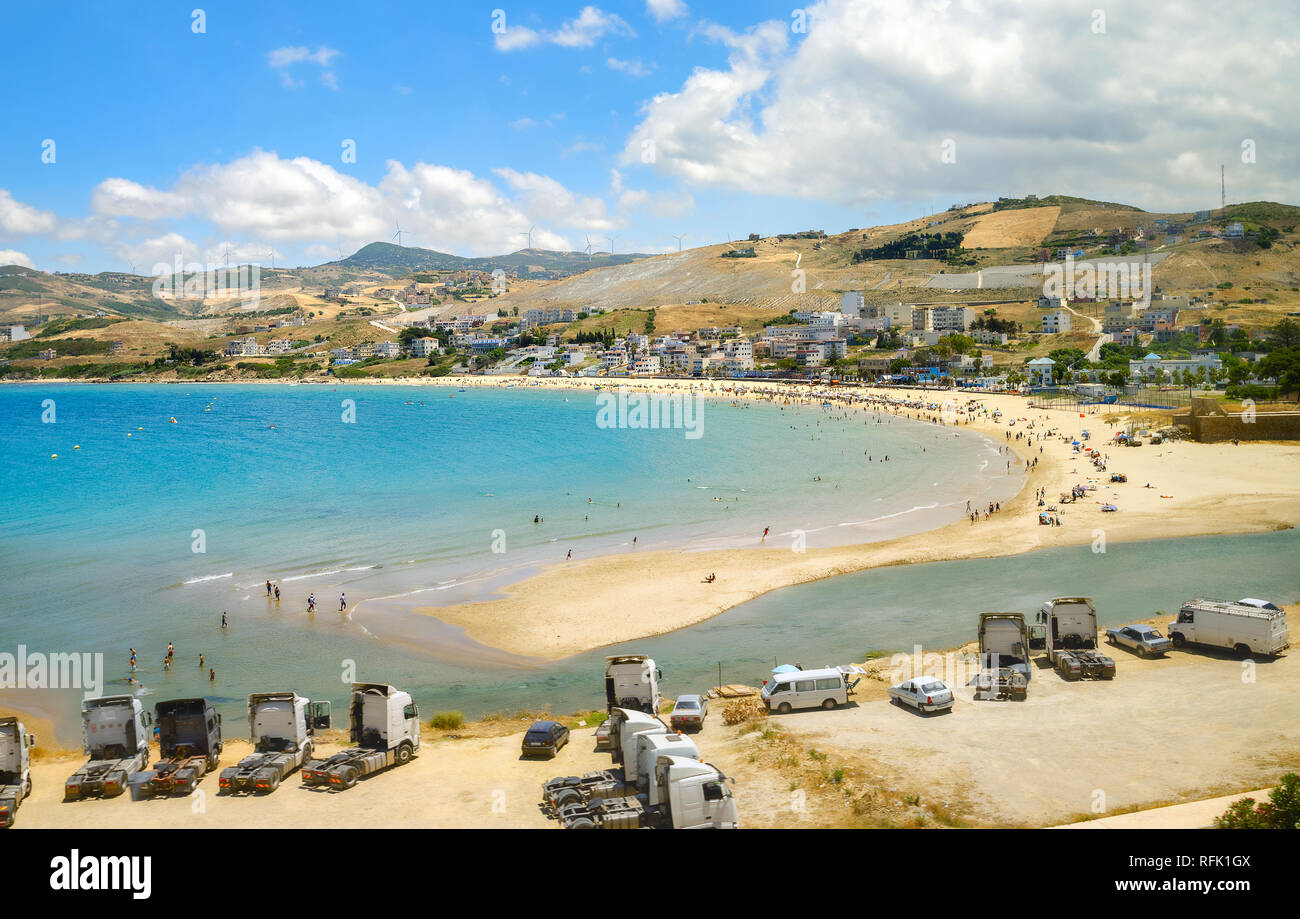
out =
column 322, row 574
column 210, row 577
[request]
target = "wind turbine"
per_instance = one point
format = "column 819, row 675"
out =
column 588, row 248
column 529, row 235
column 679, row 240
column 398, row 235
column 611, row 243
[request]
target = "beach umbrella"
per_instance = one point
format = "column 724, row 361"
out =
column 785, row 668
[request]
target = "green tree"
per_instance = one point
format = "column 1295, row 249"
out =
column 1286, row 333
column 1284, row 366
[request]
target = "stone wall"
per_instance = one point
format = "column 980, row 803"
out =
column 1211, row 423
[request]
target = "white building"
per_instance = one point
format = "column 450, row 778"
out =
column 1040, row 371
column 425, row 347
column 853, row 303
column 1056, row 323
column 646, row 365
column 387, row 349
column 532, row 318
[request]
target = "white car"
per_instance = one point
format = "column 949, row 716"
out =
column 923, row 693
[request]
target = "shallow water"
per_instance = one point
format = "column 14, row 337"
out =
column 402, row 506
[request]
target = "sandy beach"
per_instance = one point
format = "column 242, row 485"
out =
column 1196, row 490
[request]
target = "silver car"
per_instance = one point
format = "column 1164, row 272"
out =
column 1143, row 639
column 923, row 693
column 689, row 713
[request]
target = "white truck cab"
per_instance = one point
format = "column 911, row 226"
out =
column 382, row 718
column 632, row 681
column 15, row 767
column 697, row 795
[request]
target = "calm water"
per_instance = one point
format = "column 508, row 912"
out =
column 96, row 545
column 403, row 506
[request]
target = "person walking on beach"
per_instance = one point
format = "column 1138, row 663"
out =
column 268, row 588
column 311, row 603
column 277, row 593
column 223, row 619
column 343, row 602
column 171, row 650
column 212, row 675
column 570, row 555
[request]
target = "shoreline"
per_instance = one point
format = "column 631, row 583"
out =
column 573, row 607
column 566, row 608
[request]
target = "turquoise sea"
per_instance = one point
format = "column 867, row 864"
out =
column 405, row 505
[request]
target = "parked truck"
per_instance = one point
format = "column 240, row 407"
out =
column 1071, row 634
column 631, row 682
column 1004, row 657
column 15, row 768
column 641, row 740
column 1246, row 626
column 189, row 742
column 385, row 726
column 281, row 727
column 114, row 734
column 684, row 794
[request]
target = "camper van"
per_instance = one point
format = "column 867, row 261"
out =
column 805, row 689
column 1248, row 626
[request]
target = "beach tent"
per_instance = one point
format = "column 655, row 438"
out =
column 785, row 668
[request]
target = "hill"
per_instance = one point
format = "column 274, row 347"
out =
column 399, row 261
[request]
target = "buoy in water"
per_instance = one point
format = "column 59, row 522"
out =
column 54, row 456
column 173, row 420
column 76, row 446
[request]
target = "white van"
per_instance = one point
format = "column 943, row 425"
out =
column 823, row 688
column 1248, row 626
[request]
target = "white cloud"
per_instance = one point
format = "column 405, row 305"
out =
column 516, row 38
column 591, row 25
column 631, row 68
column 663, row 10
column 14, row 257
column 523, row 124
column 124, row 198
column 282, row 59
column 18, row 219
column 857, row 109
column 547, row 199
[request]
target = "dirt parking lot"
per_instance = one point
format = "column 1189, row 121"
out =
column 1190, row 726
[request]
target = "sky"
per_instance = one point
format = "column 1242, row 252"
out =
column 138, row 134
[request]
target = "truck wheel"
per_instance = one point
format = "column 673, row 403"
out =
column 1242, row 650
column 828, row 704
column 581, row 823
column 567, row 796
column 273, row 782
column 1177, row 639
column 784, row 708
column 403, row 753
column 27, row 789
column 348, row 777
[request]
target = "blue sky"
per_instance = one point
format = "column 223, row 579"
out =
column 760, row 119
